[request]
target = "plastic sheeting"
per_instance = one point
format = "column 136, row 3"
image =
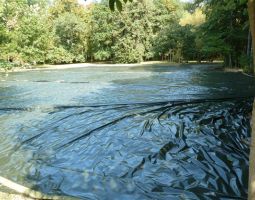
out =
column 167, row 150
column 178, row 149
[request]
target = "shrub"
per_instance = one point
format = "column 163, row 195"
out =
column 245, row 63
column 59, row 56
column 7, row 65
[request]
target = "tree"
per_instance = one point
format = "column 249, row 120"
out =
column 102, row 32
column 251, row 192
column 69, row 22
column 63, row 31
column 251, row 11
column 33, row 36
column 128, row 36
column 225, row 30
column 133, row 41
column 60, row 7
column 24, row 30
column 71, row 35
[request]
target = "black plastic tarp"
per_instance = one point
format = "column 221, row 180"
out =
column 166, row 150
column 120, row 133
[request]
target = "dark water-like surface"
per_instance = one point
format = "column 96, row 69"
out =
column 154, row 132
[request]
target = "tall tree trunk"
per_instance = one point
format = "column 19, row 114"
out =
column 248, row 44
column 230, row 61
column 251, row 192
column 251, row 61
column 251, row 10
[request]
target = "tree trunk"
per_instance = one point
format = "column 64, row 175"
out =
column 249, row 44
column 230, row 61
column 251, row 191
column 251, row 10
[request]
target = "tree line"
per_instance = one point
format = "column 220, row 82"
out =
column 65, row 31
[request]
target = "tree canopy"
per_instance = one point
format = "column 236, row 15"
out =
column 65, row 31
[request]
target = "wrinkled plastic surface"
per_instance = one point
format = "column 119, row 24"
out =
column 144, row 137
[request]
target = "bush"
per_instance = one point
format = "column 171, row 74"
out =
column 32, row 55
column 127, row 53
column 102, row 55
column 7, row 65
column 59, row 56
column 245, row 63
column 248, row 70
column 79, row 59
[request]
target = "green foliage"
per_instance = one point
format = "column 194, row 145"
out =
column 69, row 21
column 128, row 36
column 246, row 63
column 26, row 35
column 69, row 29
column 117, row 3
column 65, row 6
column 64, row 31
column 32, row 39
column 225, row 31
column 126, row 51
column 36, row 32
column 7, row 65
column 135, row 32
column 125, row 31
column 59, row 56
column 3, row 34
column 103, row 33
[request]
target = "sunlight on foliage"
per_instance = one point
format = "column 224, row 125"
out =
column 197, row 18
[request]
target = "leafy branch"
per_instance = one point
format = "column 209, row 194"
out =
column 117, row 3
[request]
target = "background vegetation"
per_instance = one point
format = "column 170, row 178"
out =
column 64, row 31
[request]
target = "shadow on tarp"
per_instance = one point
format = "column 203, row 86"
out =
column 192, row 149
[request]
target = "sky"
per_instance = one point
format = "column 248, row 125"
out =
column 85, row 2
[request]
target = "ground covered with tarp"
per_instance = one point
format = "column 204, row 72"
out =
column 192, row 148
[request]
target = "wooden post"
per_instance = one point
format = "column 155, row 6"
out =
column 251, row 190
